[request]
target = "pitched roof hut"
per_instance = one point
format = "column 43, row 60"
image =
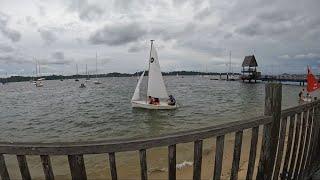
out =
column 249, row 61
column 249, row 69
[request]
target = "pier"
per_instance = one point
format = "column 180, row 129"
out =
column 301, row 79
column 289, row 148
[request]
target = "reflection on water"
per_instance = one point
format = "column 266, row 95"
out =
column 61, row 111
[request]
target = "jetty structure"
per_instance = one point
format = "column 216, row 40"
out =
column 249, row 69
column 289, row 146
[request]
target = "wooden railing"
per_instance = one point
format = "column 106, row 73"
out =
column 298, row 161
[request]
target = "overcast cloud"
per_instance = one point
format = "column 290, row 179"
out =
column 195, row 35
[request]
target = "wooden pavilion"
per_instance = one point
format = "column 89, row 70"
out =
column 249, row 69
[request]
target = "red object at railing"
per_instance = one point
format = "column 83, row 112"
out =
column 312, row 81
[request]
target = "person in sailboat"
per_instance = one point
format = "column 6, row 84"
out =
column 156, row 101
column 150, row 100
column 171, row 101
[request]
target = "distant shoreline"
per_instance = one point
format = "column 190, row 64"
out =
column 114, row 74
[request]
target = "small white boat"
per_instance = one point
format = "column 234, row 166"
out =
column 146, row 105
column 39, row 84
column 155, row 86
column 96, row 82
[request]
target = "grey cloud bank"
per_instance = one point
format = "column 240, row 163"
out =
column 189, row 34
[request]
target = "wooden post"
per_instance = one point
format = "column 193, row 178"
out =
column 273, row 97
column 172, row 162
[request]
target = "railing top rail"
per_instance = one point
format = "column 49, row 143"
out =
column 129, row 144
column 299, row 108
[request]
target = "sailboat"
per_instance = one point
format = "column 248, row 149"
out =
column 96, row 81
column 230, row 75
column 155, row 86
column 77, row 73
column 38, row 82
column 88, row 77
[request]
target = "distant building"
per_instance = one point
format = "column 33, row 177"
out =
column 249, row 69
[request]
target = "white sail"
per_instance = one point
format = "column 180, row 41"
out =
column 156, row 86
column 136, row 95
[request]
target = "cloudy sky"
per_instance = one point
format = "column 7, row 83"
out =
column 190, row 35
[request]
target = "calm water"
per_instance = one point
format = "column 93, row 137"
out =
column 61, row 111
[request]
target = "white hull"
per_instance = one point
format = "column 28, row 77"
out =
column 145, row 105
column 96, row 82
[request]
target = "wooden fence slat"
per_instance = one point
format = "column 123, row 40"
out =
column 273, row 98
column 307, row 145
column 282, row 137
column 253, row 152
column 264, row 153
column 130, row 144
column 313, row 140
column 218, row 157
column 77, row 167
column 284, row 173
column 236, row 155
column 295, row 146
column 314, row 152
column 3, row 169
column 113, row 166
column 172, row 162
column 143, row 164
column 301, row 144
column 47, row 168
column 23, row 165
column 197, row 160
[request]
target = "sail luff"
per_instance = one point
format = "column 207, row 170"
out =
column 136, row 95
column 156, row 87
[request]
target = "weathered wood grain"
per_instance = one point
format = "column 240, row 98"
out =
column 236, row 155
column 265, row 152
column 285, row 168
column 272, row 108
column 295, row 146
column 218, row 157
column 172, row 162
column 315, row 139
column 253, row 152
column 3, row 169
column 113, row 166
column 129, row 144
column 306, row 146
column 143, row 164
column 197, row 155
column 280, row 148
column 77, row 167
column 301, row 144
column 46, row 166
column 23, row 166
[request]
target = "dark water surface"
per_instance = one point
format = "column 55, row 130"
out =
column 61, row 111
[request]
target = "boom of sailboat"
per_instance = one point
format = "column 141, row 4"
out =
column 156, row 88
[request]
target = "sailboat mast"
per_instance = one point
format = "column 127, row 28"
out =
column 36, row 68
column 39, row 69
column 87, row 70
column 96, row 65
column 230, row 67
column 149, row 68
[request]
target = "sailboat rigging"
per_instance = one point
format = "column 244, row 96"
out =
column 155, row 86
column 96, row 81
column 77, row 73
column 87, row 73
